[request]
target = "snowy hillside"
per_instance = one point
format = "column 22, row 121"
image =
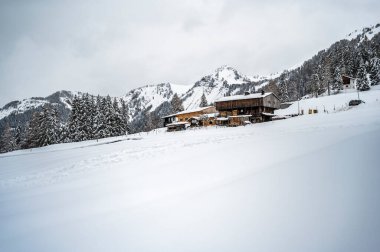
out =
column 332, row 103
column 308, row 183
column 368, row 32
column 17, row 107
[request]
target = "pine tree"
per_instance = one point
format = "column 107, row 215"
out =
column 204, row 102
column 48, row 128
column 149, row 122
column 32, row 132
column 86, row 118
column 74, row 124
column 125, row 117
column 18, row 137
column 118, row 124
column 374, row 74
column 99, row 123
column 176, row 104
column 108, row 117
column 64, row 134
column 362, row 83
column 7, row 141
column 337, row 84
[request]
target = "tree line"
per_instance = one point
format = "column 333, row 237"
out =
column 90, row 118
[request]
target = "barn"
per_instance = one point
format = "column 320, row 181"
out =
column 256, row 107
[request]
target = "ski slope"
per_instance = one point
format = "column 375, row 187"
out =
column 309, row 183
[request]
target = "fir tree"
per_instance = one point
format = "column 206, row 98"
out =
column 48, row 129
column 362, row 81
column 99, row 123
column 337, row 84
column 118, row 124
column 204, row 102
column 374, row 74
column 74, row 123
column 32, row 133
column 18, row 136
column 176, row 104
column 124, row 115
column 7, row 141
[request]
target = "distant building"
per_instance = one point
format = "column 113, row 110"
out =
column 195, row 117
column 242, row 109
column 348, row 82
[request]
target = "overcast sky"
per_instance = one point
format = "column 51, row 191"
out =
column 110, row 47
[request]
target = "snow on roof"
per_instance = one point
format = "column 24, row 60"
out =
column 267, row 114
column 210, row 115
column 243, row 97
column 222, row 119
column 177, row 123
column 239, row 116
column 188, row 111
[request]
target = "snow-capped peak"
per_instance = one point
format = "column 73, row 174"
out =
column 368, row 32
column 229, row 75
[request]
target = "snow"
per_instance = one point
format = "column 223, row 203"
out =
column 308, row 183
column 332, row 103
column 141, row 98
column 179, row 89
column 242, row 97
column 369, row 32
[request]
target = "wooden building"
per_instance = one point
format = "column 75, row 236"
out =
column 348, row 82
column 177, row 126
column 196, row 117
column 258, row 106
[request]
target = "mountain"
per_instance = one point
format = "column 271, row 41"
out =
column 18, row 113
column 150, row 97
column 224, row 81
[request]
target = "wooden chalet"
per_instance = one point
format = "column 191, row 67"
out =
column 196, row 117
column 240, row 109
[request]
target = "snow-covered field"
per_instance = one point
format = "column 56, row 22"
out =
column 309, row 183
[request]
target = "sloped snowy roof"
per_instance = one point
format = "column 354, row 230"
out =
column 267, row 114
column 243, row 97
column 177, row 123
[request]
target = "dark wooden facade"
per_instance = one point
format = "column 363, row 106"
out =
column 254, row 105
